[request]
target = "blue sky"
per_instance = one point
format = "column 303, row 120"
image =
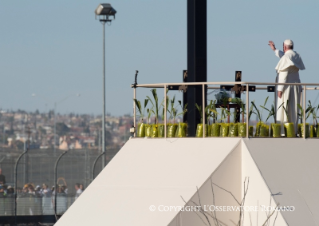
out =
column 53, row 49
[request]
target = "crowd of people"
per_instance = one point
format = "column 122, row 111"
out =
column 36, row 200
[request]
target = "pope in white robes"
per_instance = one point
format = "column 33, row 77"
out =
column 287, row 72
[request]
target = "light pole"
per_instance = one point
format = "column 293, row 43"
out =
column 104, row 12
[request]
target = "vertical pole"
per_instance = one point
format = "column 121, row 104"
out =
column 99, row 140
column 103, row 116
column 134, row 111
column 247, row 110
column 24, row 144
column 238, row 76
column 54, row 127
column 185, row 102
column 304, row 112
column 203, row 110
column 165, row 107
column 24, row 157
column 196, row 59
column 4, row 135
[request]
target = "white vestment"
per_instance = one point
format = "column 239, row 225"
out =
column 288, row 72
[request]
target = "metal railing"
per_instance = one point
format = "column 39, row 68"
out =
column 315, row 86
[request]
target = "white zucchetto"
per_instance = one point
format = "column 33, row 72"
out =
column 288, row 42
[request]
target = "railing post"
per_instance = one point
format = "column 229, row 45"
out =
column 165, row 107
column 247, row 110
column 134, row 110
column 203, row 110
column 304, row 112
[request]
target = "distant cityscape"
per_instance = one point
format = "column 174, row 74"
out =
column 19, row 128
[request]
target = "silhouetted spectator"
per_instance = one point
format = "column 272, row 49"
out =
column 46, row 190
column 31, row 189
column 61, row 201
column 38, row 192
column 31, row 201
column 46, row 200
column 10, row 190
column 2, row 201
column 78, row 190
column 2, row 178
column 65, row 189
column 82, row 187
column 10, row 201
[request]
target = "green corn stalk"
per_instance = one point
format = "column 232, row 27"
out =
column 208, row 113
column 313, row 112
column 251, row 111
column 271, row 111
column 309, row 110
column 140, row 109
column 242, row 105
column 314, row 115
column 155, row 104
column 224, row 114
column 173, row 111
column 149, row 114
column 199, row 108
column 163, row 106
column 214, row 111
column 257, row 112
column 183, row 110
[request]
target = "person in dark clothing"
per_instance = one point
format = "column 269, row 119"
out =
column 2, row 178
column 2, row 201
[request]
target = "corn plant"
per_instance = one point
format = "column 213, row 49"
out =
column 214, row 111
column 140, row 109
column 313, row 112
column 155, row 104
column 224, row 114
column 163, row 106
column 238, row 101
column 149, row 114
column 208, row 113
column 184, row 110
column 257, row 112
column 173, row 110
column 251, row 111
column 301, row 114
column 271, row 111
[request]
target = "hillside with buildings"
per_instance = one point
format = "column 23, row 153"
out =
column 62, row 131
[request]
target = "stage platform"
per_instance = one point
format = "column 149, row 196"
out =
column 149, row 179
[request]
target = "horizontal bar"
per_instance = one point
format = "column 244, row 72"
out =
column 262, row 88
column 217, row 87
column 161, row 85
